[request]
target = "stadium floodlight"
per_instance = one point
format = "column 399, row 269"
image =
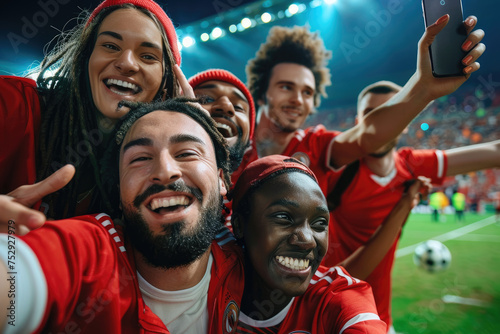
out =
column 293, row 9
column 188, row 41
column 233, row 28
column 179, row 45
column 216, row 33
column 266, row 17
column 330, row 2
column 205, row 37
column 246, row 23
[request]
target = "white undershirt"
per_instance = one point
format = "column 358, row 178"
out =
column 276, row 320
column 182, row 311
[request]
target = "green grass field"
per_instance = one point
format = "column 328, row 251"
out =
column 417, row 302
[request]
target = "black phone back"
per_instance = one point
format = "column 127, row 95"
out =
column 446, row 50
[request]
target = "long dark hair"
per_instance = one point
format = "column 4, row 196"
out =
column 70, row 131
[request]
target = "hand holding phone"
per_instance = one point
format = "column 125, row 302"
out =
column 445, row 51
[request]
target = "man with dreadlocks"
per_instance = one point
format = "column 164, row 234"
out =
column 287, row 78
column 123, row 50
column 172, row 267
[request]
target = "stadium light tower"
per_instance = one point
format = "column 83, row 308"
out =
column 188, row 41
column 246, row 23
column 293, row 9
column 266, row 17
column 216, row 33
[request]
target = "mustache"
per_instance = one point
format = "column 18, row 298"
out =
column 178, row 185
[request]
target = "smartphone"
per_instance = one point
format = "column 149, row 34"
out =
column 446, row 49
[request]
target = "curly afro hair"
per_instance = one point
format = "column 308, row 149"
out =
column 289, row 45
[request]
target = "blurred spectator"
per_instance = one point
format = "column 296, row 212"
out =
column 467, row 117
column 458, row 202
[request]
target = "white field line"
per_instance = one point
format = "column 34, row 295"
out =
column 450, row 235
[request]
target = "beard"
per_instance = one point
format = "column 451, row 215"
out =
column 281, row 125
column 237, row 151
column 175, row 247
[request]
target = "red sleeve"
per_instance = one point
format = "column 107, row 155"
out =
column 429, row 163
column 19, row 131
column 319, row 141
column 79, row 262
column 347, row 305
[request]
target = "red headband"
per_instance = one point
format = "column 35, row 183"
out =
column 260, row 169
column 155, row 9
column 226, row 76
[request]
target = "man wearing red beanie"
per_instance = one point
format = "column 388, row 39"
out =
column 232, row 107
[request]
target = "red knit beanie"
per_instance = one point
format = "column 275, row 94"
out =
column 260, row 169
column 226, row 76
column 152, row 7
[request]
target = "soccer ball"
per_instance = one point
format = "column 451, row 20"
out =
column 432, row 256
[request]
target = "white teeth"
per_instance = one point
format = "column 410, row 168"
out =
column 292, row 111
column 123, row 84
column 168, row 202
column 226, row 127
column 293, row 263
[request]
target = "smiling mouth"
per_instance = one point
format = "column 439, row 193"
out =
column 121, row 87
column 293, row 112
column 225, row 130
column 293, row 263
column 168, row 204
column 225, row 126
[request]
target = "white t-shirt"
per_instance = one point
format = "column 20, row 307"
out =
column 182, row 311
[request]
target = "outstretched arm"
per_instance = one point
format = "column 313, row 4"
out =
column 366, row 258
column 473, row 157
column 16, row 205
column 385, row 123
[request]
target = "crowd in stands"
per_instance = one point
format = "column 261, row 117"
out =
column 466, row 117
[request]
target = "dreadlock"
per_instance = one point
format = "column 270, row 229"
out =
column 110, row 160
column 289, row 45
column 71, row 131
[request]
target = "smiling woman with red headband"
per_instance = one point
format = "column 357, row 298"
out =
column 124, row 50
column 281, row 217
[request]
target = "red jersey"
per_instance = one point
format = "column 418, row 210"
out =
column 334, row 302
column 310, row 146
column 92, row 283
column 367, row 202
column 19, row 131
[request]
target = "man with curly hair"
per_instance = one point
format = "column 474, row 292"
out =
column 289, row 75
